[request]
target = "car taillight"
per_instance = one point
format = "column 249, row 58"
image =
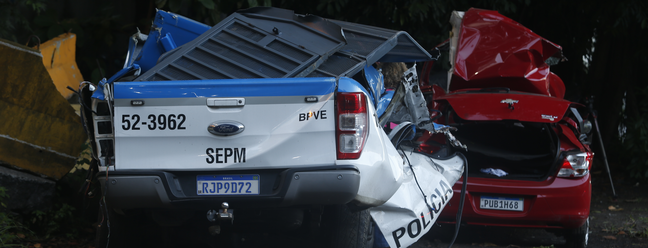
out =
column 576, row 165
column 351, row 126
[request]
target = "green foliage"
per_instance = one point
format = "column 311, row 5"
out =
column 642, row 227
column 60, row 220
column 48, row 26
column 209, row 12
column 67, row 217
column 101, row 28
column 14, row 17
column 9, row 224
column 64, row 218
column 630, row 12
column 255, row 3
column 636, row 227
column 636, row 140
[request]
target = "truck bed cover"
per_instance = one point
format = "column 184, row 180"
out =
column 276, row 43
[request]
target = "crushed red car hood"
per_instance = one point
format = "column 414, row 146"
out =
column 488, row 106
column 495, row 51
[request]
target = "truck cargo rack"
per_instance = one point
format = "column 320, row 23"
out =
column 269, row 42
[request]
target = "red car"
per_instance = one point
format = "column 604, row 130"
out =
column 528, row 149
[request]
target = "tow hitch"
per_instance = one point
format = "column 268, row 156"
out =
column 221, row 214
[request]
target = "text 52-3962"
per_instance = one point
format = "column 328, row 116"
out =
column 154, row 122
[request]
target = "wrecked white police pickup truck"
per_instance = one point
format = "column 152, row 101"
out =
column 267, row 113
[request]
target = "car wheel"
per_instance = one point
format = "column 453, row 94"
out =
column 578, row 237
column 347, row 229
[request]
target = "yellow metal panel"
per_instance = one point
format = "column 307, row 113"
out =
column 59, row 60
column 39, row 130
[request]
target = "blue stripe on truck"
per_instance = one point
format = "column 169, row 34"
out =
column 225, row 88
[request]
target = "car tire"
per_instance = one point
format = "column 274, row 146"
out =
column 578, row 237
column 347, row 229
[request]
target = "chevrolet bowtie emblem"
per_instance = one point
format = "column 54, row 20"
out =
column 510, row 103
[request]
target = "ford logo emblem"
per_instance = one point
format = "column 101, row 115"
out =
column 225, row 128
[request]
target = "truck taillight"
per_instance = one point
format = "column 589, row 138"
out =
column 351, row 126
column 576, row 165
column 103, row 127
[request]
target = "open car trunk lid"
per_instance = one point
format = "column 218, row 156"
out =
column 491, row 50
column 513, row 132
column 484, row 105
column 225, row 124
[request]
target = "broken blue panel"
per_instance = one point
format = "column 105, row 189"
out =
column 183, row 29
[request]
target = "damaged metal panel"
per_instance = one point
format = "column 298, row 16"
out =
column 59, row 58
column 169, row 26
column 367, row 45
column 494, row 51
column 381, row 45
column 425, row 190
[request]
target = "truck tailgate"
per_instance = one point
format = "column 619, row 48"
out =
column 233, row 124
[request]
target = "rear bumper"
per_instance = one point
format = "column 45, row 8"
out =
column 553, row 203
column 282, row 187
